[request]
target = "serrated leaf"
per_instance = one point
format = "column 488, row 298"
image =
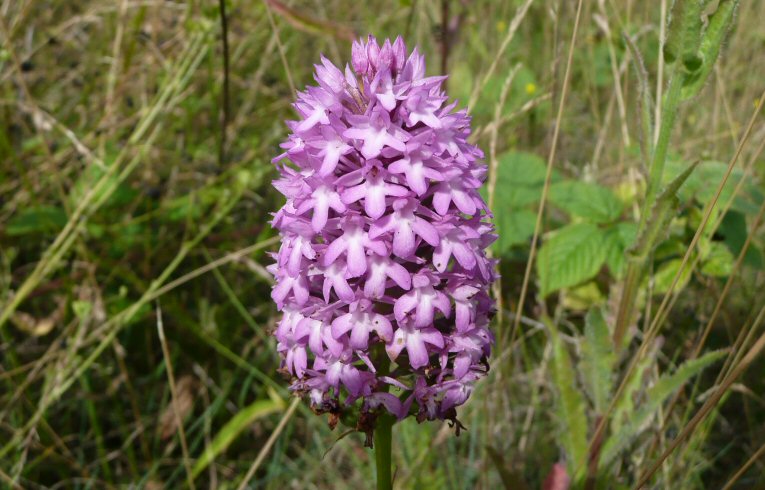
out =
column 522, row 168
column 572, row 255
column 513, row 228
column 583, row 297
column 662, row 279
column 520, row 177
column 571, row 404
column 718, row 261
column 598, row 358
column 655, row 396
column 646, row 99
column 702, row 185
column 591, row 202
column 625, row 406
column 243, row 419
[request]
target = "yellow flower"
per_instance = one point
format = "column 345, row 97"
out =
column 531, row 88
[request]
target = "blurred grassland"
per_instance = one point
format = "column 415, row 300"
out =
column 118, row 104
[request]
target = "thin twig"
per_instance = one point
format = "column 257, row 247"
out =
column 514, row 24
column 710, row 404
column 445, row 38
column 225, row 95
column 713, row 317
column 548, row 174
column 280, row 47
column 174, row 395
column 270, row 442
column 656, row 324
column 494, row 169
column 745, row 467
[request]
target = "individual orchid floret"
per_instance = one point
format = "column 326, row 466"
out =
column 382, row 276
column 374, row 190
column 375, row 132
column 361, row 321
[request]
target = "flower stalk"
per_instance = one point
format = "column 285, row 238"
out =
column 383, row 451
column 636, row 265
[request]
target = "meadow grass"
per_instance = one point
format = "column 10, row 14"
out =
column 135, row 199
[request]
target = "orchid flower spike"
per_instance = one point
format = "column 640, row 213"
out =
column 382, row 277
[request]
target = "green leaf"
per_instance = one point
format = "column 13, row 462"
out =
column 661, row 216
column 36, row 219
column 625, row 405
column 646, row 99
column 571, row 404
column 583, row 297
column 662, row 279
column 573, row 254
column 243, row 419
column 513, row 228
column 598, row 358
column 684, row 32
column 709, row 50
column 520, row 177
column 655, row 396
column 718, row 261
column 702, row 185
column 114, row 193
column 617, row 240
column 591, row 202
column 521, row 168
column 734, row 230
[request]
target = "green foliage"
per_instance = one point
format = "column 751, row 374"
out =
column 617, row 241
column 683, row 34
column 665, row 275
column 572, row 255
column 655, row 396
column 570, row 406
column 662, row 213
column 36, row 219
column 598, row 359
column 590, row 202
column 520, row 178
column 711, row 42
column 515, row 228
column 734, row 232
column 243, row 419
column 717, row 260
column 697, row 188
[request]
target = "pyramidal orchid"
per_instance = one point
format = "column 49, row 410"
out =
column 382, row 276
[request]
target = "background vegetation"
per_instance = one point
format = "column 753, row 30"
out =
column 134, row 235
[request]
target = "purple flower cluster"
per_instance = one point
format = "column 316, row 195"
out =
column 384, row 238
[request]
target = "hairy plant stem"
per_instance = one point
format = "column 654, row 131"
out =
column 383, row 444
column 383, row 433
column 636, row 266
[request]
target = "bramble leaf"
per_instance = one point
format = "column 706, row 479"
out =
column 591, row 202
column 573, row 254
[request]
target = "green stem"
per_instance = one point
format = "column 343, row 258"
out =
column 635, row 268
column 668, row 114
column 383, row 445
